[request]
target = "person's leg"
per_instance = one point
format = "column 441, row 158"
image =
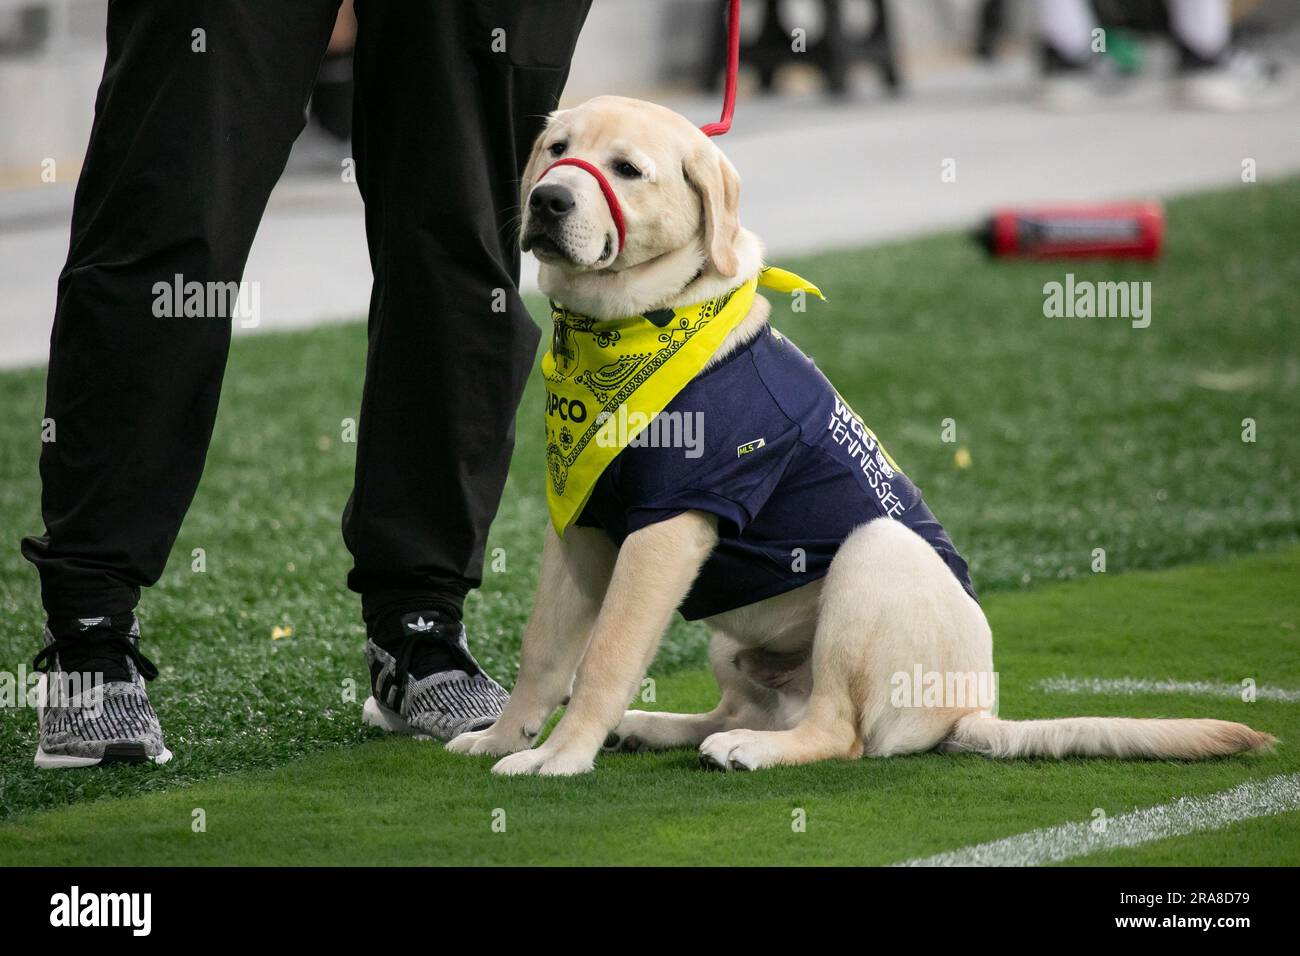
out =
column 1066, row 28
column 183, row 153
column 199, row 104
column 331, row 100
column 1066, row 57
column 443, row 126
column 1212, row 74
column 449, row 98
column 1202, row 29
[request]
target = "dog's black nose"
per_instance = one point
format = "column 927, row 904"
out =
column 550, row 201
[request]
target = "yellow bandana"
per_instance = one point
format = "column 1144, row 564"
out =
column 639, row 363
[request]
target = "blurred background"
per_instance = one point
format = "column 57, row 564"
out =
column 849, row 112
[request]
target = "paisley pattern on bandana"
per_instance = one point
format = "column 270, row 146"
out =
column 597, row 366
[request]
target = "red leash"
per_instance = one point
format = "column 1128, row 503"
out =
column 733, row 67
column 709, row 129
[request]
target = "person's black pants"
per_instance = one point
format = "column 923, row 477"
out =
column 184, row 151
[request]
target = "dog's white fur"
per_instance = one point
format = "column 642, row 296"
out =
column 806, row 675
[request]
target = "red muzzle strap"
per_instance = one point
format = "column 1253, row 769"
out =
column 611, row 198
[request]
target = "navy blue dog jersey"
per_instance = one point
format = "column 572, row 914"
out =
column 784, row 464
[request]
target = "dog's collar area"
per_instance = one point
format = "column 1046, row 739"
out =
column 769, row 277
column 611, row 198
column 655, row 316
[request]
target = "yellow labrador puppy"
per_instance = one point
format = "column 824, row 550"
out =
column 834, row 635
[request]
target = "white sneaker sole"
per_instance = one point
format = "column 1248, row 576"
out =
column 65, row 762
column 375, row 714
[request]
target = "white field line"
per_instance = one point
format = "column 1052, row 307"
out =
column 1255, row 798
column 1129, row 686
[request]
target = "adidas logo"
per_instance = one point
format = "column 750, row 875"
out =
column 421, row 626
column 88, row 622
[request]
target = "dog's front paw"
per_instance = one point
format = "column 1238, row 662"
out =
column 738, row 750
column 544, row 763
column 490, row 741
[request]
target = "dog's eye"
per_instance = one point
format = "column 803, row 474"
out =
column 557, row 149
column 627, row 170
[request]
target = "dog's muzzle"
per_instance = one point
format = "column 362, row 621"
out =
column 555, row 202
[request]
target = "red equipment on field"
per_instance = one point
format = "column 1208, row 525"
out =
column 1100, row 231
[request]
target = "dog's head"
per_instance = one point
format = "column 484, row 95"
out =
column 669, row 182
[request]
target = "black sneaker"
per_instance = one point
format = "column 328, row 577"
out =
column 424, row 680
column 93, row 708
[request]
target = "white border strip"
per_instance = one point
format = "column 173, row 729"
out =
column 1130, row 686
column 1255, row 798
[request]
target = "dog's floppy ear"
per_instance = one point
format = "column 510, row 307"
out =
column 718, row 184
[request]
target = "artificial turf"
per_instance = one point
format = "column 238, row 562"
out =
column 1078, row 434
column 401, row 801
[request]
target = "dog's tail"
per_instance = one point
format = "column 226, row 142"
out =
column 1188, row 739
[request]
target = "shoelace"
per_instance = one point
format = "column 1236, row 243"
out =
column 415, row 645
column 100, row 652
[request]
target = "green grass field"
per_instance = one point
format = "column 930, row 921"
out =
column 1082, row 434
column 410, row 802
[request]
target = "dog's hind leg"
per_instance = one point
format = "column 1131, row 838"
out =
column 650, row 730
column 888, row 603
column 744, row 703
column 826, row 730
column 570, row 587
